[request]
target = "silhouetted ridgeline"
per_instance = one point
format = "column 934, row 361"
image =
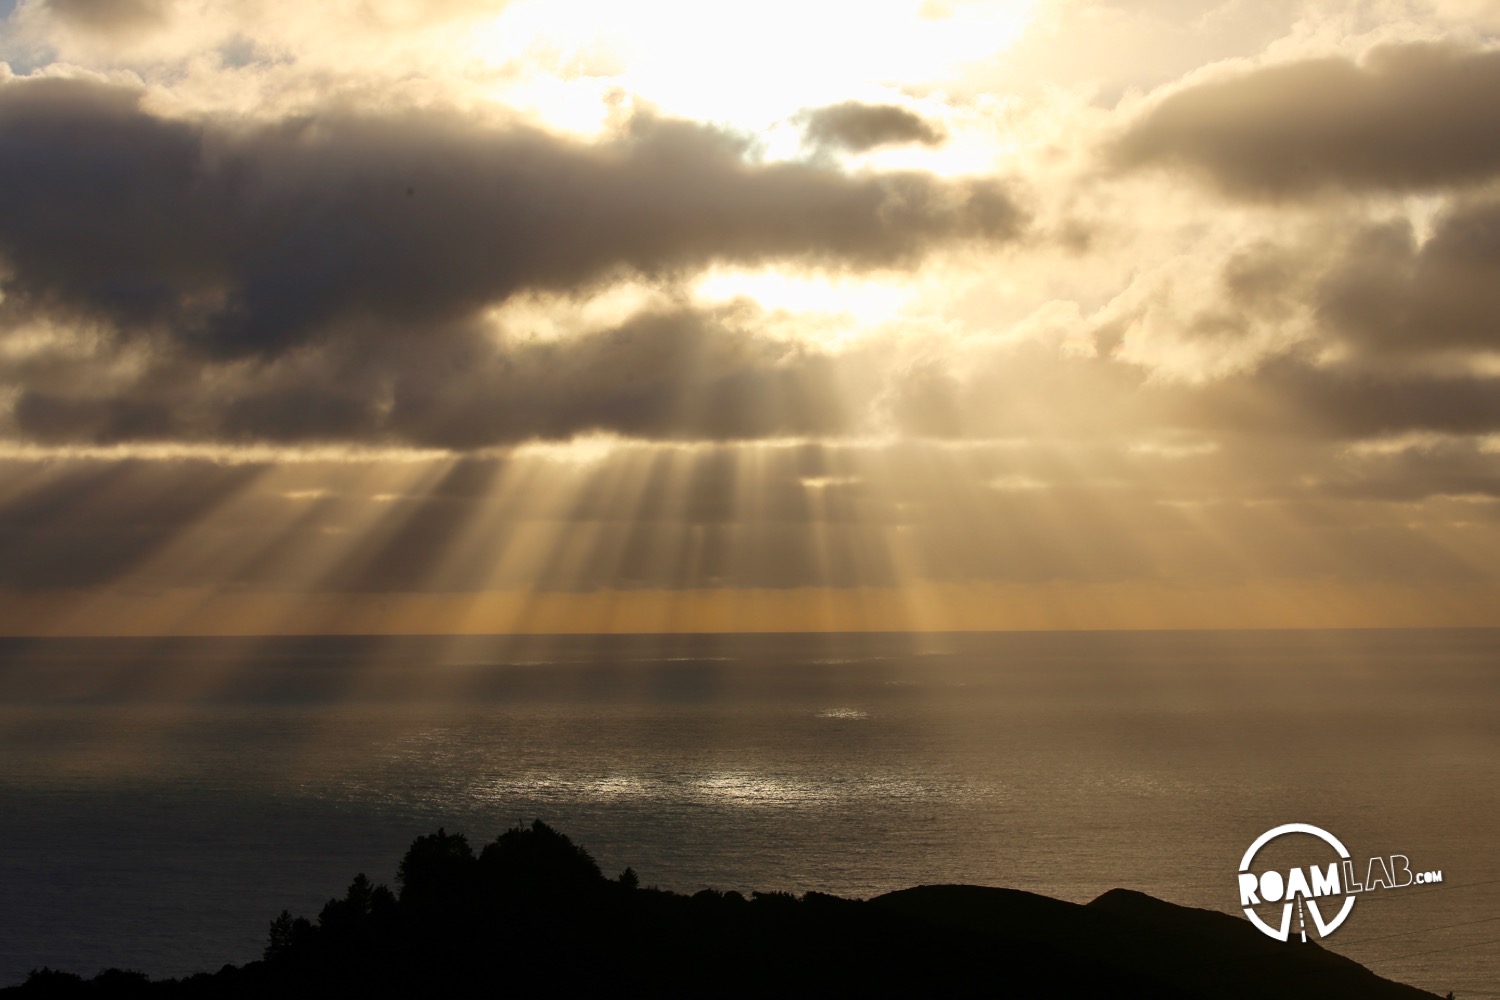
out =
column 531, row 912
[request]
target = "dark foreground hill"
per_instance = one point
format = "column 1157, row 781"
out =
column 531, row 913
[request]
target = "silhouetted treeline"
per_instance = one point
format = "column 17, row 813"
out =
column 531, row 913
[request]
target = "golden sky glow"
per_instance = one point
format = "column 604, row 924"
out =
column 473, row 316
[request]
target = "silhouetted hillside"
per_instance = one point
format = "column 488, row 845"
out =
column 1198, row 952
column 531, row 912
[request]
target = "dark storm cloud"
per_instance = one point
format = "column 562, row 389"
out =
column 1295, row 397
column 55, row 418
column 1409, row 117
column 1362, row 406
column 247, row 242
column 1446, row 467
column 675, row 375
column 1376, row 289
column 1293, row 400
column 1390, row 295
column 679, row 374
column 859, row 127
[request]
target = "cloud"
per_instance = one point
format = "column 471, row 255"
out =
column 685, row 374
column 1442, row 467
column 1391, row 295
column 857, row 127
column 110, row 17
column 1294, row 397
column 1415, row 117
column 172, row 35
column 677, row 374
column 236, row 241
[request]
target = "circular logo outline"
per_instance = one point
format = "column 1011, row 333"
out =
column 1284, row 932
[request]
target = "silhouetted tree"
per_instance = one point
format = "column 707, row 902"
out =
column 288, row 937
column 48, row 981
column 122, row 982
column 438, row 870
column 382, row 907
column 351, row 916
column 536, row 860
column 279, row 943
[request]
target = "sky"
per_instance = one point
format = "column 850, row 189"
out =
column 479, row 316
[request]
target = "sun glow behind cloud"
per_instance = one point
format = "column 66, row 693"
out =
column 852, row 305
column 784, row 55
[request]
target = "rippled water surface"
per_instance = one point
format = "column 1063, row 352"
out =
column 164, row 799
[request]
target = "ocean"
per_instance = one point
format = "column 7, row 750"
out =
column 162, row 800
